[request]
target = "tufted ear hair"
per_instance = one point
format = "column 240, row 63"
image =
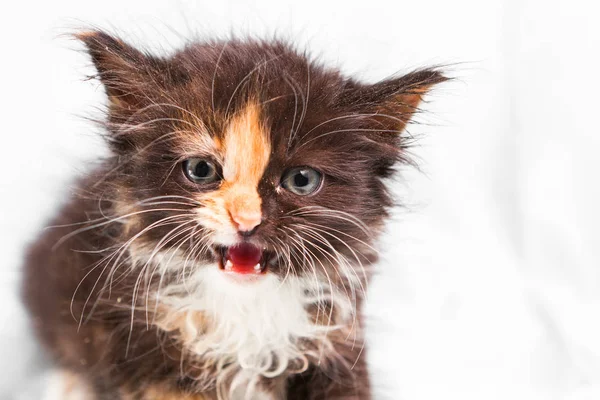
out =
column 394, row 101
column 125, row 72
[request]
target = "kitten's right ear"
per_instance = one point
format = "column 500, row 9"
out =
column 123, row 70
column 393, row 101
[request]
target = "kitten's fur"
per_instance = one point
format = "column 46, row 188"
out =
column 125, row 290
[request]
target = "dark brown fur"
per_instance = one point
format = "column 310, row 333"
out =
column 349, row 130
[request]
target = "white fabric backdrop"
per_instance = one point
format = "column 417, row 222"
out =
column 490, row 281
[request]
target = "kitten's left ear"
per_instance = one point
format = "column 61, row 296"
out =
column 125, row 71
column 393, row 101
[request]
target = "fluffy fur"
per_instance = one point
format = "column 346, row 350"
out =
column 128, row 292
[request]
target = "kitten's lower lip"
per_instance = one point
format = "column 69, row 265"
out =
column 244, row 259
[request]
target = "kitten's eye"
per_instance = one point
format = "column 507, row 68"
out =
column 302, row 180
column 200, row 171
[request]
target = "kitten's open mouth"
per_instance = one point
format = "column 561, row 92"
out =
column 244, row 259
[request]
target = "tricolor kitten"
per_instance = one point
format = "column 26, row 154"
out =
column 223, row 250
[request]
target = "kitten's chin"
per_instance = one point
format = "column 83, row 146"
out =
column 244, row 262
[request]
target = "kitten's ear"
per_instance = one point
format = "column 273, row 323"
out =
column 393, row 101
column 124, row 70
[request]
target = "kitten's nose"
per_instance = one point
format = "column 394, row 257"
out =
column 246, row 221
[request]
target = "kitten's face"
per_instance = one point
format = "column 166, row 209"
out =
column 250, row 158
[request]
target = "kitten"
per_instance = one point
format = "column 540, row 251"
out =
column 223, row 250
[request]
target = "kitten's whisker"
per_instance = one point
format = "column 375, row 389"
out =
column 120, row 252
column 334, row 256
column 139, row 203
column 145, row 270
column 331, row 292
column 189, row 236
column 108, row 260
column 320, row 211
column 342, row 259
column 171, row 235
column 327, row 228
column 326, row 274
column 285, row 247
column 298, row 243
column 354, row 254
column 116, row 219
column 169, row 199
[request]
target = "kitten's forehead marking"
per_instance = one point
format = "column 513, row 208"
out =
column 246, row 148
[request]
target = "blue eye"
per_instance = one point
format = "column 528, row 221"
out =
column 302, row 180
column 200, row 171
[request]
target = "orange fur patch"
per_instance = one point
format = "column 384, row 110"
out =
column 407, row 104
column 245, row 151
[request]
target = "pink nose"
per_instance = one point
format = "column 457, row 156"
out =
column 246, row 221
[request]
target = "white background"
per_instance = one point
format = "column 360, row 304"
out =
column 490, row 280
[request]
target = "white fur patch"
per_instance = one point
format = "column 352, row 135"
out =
column 254, row 328
column 63, row 385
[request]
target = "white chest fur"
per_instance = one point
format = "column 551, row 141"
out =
column 251, row 330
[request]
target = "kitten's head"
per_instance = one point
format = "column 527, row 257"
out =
column 250, row 157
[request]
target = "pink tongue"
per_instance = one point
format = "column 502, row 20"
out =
column 244, row 257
